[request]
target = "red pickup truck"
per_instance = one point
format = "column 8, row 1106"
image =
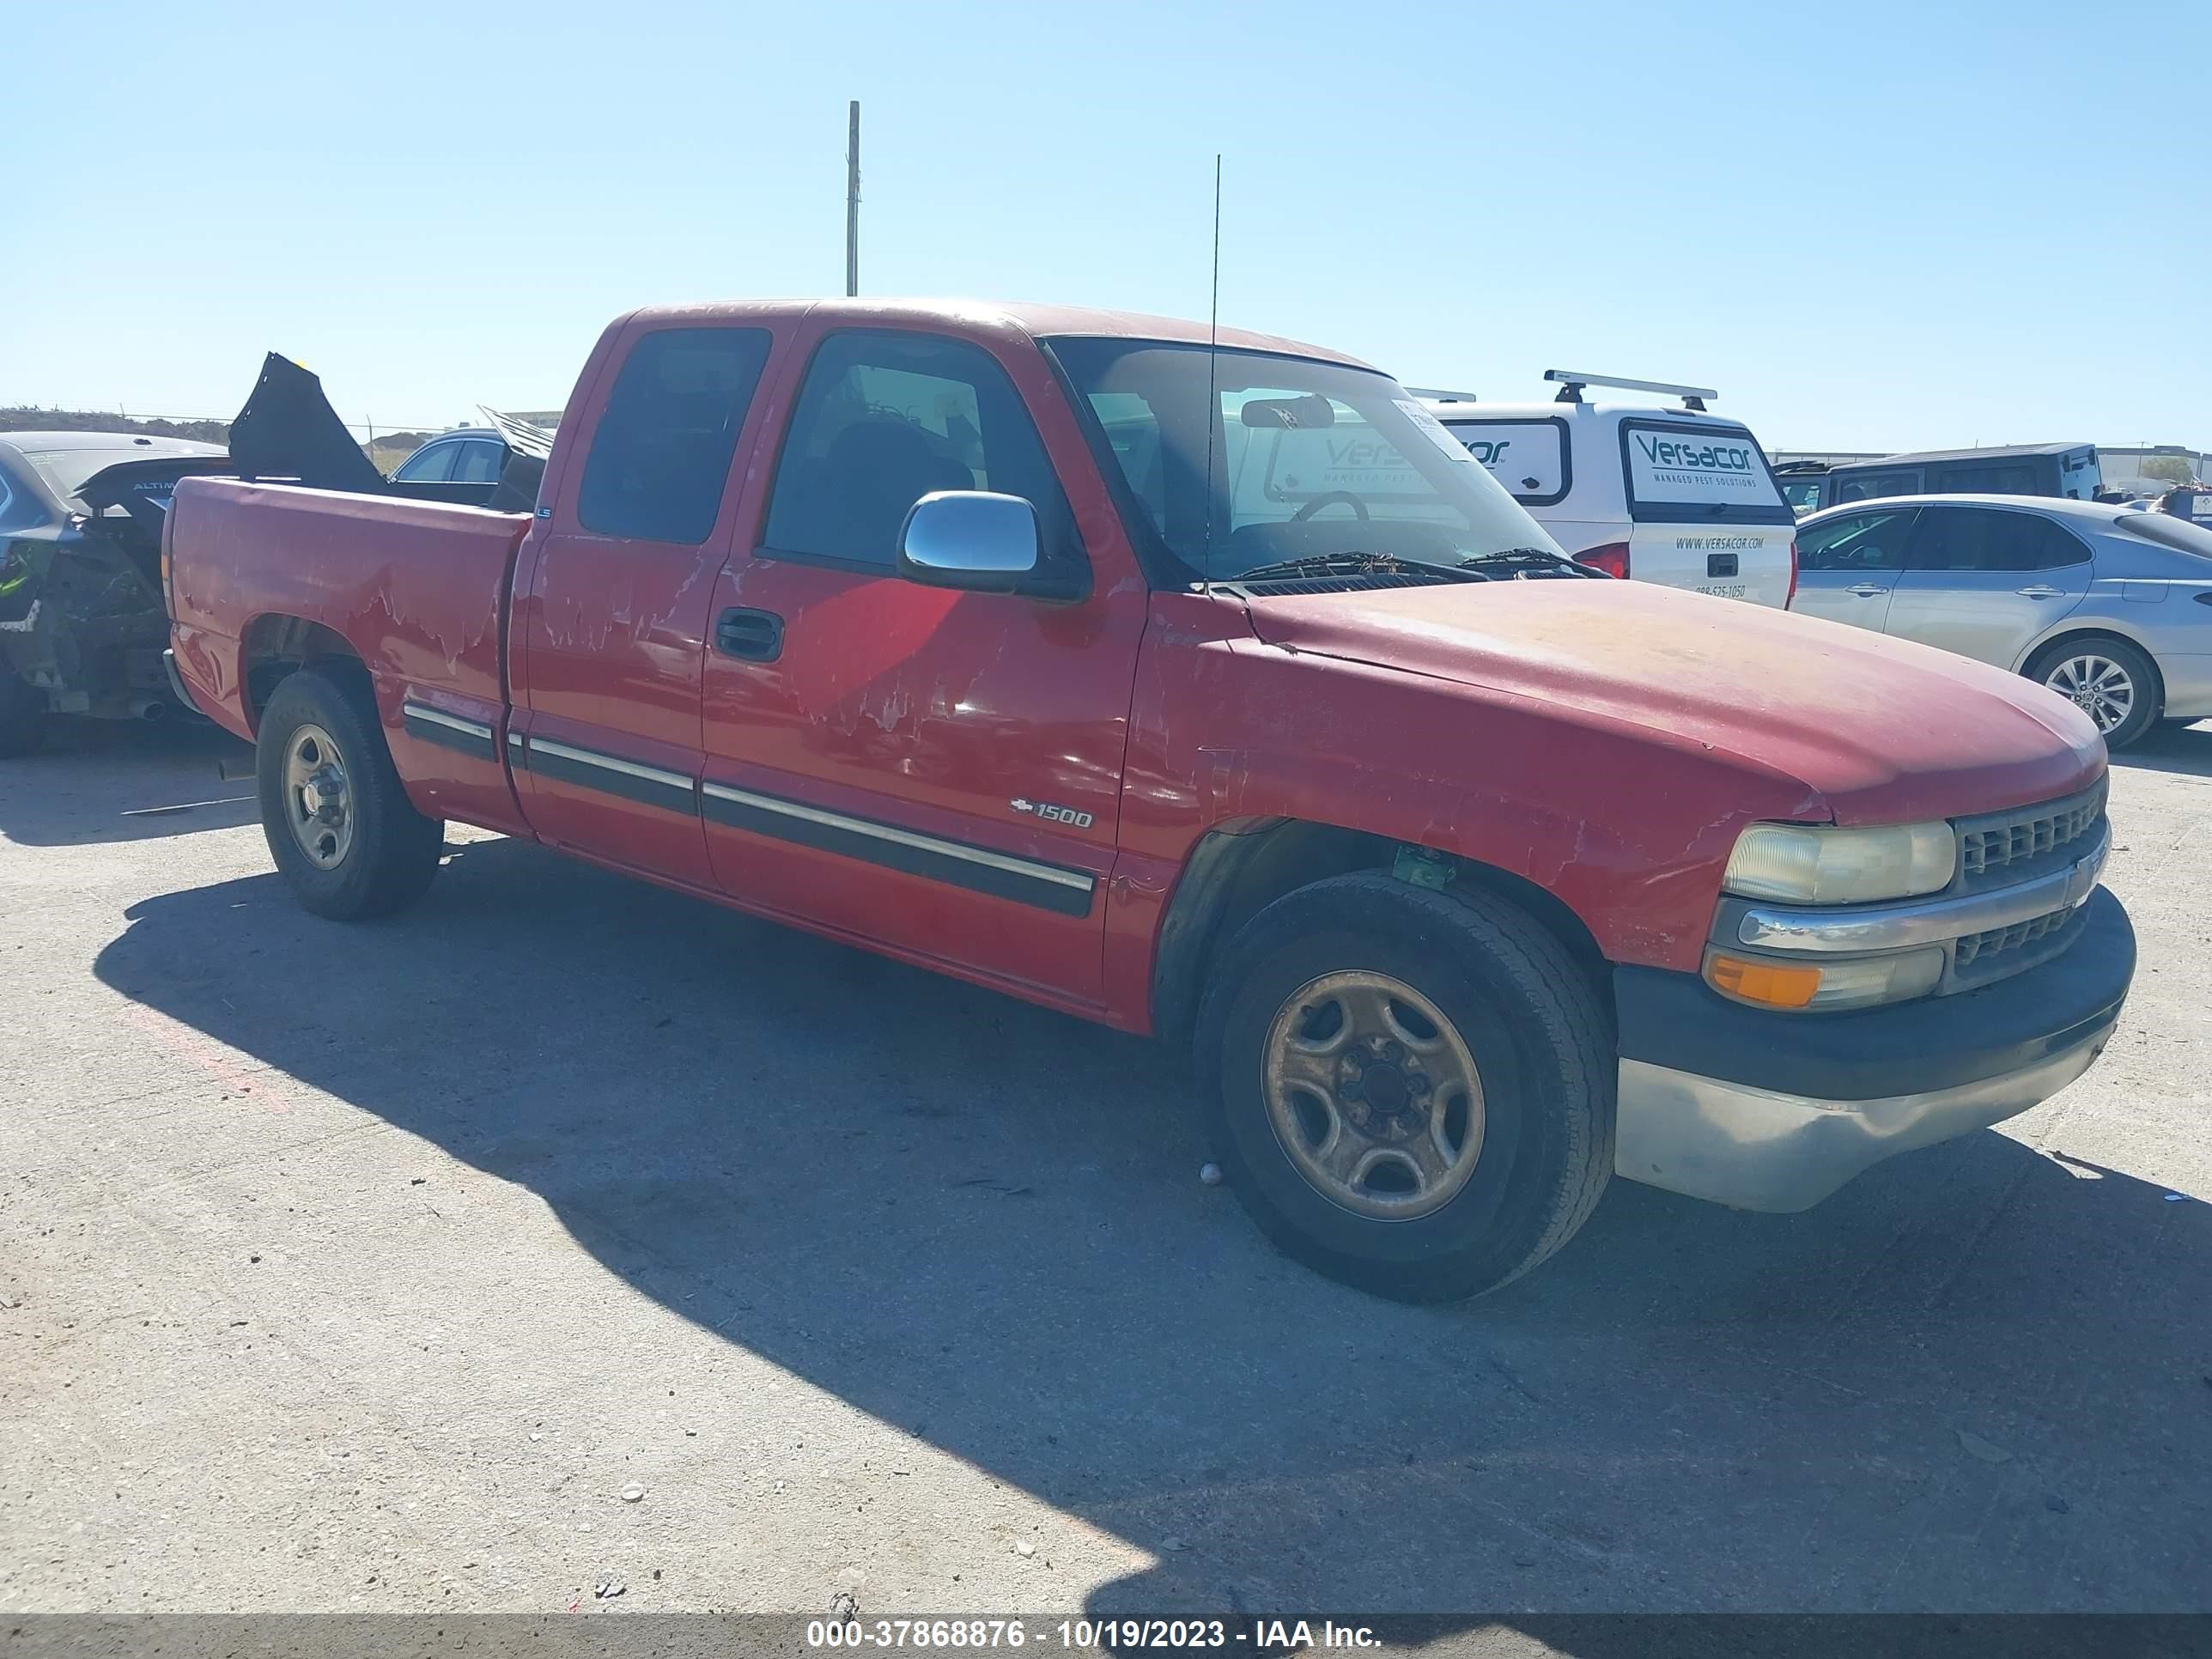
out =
column 1203, row 687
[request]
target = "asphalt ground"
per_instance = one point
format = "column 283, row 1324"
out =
column 365, row 1268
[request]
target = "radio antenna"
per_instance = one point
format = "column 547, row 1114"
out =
column 1213, row 395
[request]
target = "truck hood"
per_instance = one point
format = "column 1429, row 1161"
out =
column 1879, row 730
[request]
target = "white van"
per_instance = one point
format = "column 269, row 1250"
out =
column 1672, row 496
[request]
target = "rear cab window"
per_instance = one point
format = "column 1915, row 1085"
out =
column 660, row 457
column 1697, row 472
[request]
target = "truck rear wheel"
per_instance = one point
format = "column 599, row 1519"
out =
column 22, row 714
column 337, row 820
column 1410, row 1091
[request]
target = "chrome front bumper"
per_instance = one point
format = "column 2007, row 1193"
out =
column 1755, row 1149
column 1767, row 1110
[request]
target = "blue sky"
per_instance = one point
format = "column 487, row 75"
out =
column 1878, row 226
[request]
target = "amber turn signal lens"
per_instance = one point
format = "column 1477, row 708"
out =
column 1776, row 984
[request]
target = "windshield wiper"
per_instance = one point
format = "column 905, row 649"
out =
column 1538, row 558
column 1346, row 564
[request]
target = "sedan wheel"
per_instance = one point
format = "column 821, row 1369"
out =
column 2109, row 680
column 2100, row 688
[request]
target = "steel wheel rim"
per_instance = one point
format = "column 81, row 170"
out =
column 1373, row 1094
column 2097, row 686
column 318, row 801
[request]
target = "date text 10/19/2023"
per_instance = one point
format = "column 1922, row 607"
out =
column 1251, row 1635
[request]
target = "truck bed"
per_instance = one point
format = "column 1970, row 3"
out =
column 417, row 590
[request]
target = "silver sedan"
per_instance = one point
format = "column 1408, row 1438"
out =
column 2111, row 608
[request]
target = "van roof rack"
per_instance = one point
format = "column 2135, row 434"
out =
column 1571, row 382
column 1437, row 394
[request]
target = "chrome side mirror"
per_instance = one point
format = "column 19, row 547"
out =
column 971, row 539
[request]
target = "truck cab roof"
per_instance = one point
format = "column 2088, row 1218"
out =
column 1026, row 320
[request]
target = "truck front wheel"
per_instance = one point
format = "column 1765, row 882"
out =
column 1410, row 1090
column 338, row 822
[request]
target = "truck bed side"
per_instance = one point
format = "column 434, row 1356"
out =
column 265, row 578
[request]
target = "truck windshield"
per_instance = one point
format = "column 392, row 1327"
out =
column 1308, row 458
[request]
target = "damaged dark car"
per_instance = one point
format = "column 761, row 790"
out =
column 83, row 619
column 82, row 622
column 287, row 433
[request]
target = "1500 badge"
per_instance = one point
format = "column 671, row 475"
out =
column 1051, row 814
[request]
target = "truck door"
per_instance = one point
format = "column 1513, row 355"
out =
column 1987, row 581
column 937, row 772
column 613, row 604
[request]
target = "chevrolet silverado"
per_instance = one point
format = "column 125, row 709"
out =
column 1200, row 685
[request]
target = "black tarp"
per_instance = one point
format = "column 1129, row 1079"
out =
column 288, row 429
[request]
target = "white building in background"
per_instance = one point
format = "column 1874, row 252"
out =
column 2122, row 466
column 2119, row 464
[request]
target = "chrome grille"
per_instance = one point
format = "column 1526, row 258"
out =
column 1987, row 846
column 1976, row 947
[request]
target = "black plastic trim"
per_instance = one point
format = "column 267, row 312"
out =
column 446, row 737
column 1677, row 1021
column 607, row 779
column 1038, row 891
column 177, row 687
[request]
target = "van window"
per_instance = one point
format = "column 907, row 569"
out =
column 2013, row 478
column 1529, row 457
column 1802, row 494
column 1985, row 538
column 1701, row 473
column 1873, row 486
column 661, row 455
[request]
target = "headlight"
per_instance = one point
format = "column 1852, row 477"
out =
column 1851, row 982
column 1813, row 866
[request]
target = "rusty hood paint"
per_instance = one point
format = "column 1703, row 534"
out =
column 1880, row 730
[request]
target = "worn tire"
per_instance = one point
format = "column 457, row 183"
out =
column 22, row 715
column 394, row 850
column 1542, row 1041
column 2149, row 689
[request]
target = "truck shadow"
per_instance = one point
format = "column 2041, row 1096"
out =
column 2184, row 749
column 98, row 781
column 1975, row 1379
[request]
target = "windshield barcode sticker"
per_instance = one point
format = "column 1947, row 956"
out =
column 1433, row 430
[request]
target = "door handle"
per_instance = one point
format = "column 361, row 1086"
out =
column 755, row 635
column 2041, row 590
column 1866, row 589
